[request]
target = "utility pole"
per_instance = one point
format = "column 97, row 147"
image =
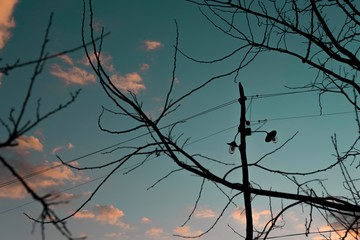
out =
column 245, row 171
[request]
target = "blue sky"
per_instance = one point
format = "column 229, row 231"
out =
column 139, row 56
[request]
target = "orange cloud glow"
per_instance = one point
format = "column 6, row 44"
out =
column 26, row 143
column 338, row 234
column 130, row 82
column 105, row 214
column 66, row 59
column 84, row 214
column 49, row 175
column 59, row 148
column 71, row 74
column 55, row 150
column 6, row 20
column 186, row 231
column 152, row 45
column 106, row 61
column 259, row 217
column 205, row 213
column 155, row 232
column 46, row 181
column 145, row 220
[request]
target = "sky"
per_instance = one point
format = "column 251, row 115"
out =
column 139, row 56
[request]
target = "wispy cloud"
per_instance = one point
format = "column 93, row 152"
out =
column 21, row 158
column 124, row 82
column 205, row 213
column 7, row 21
column 26, row 143
column 60, row 148
column 152, row 45
column 187, row 231
column 56, row 149
column 333, row 234
column 70, row 73
column 84, row 214
column 337, row 228
column 260, row 217
column 66, row 59
column 130, row 82
column 155, row 232
column 145, row 220
column 106, row 61
column 108, row 214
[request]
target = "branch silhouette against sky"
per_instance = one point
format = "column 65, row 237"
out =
column 142, row 153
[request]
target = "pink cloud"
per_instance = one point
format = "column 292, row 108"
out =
column 152, row 45
column 130, row 82
column 84, row 214
column 260, row 218
column 205, row 213
column 66, row 59
column 55, row 150
column 62, row 173
column 59, row 148
column 106, row 61
column 71, row 74
column 337, row 230
column 44, row 182
column 186, row 231
column 26, row 143
column 105, row 214
column 50, row 175
column 145, row 220
column 155, row 232
column 7, row 21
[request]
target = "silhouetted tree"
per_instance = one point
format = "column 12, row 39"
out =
column 310, row 32
column 328, row 45
column 26, row 118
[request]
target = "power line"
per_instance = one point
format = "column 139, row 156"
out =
column 195, row 141
column 190, row 143
column 120, row 170
column 30, row 175
column 303, row 116
column 302, row 234
column 266, row 95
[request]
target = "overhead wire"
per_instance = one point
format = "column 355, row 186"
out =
column 302, row 116
column 303, row 234
column 198, row 140
column 257, row 96
column 190, row 143
column 119, row 170
column 30, row 175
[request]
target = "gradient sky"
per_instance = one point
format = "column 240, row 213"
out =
column 139, row 56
